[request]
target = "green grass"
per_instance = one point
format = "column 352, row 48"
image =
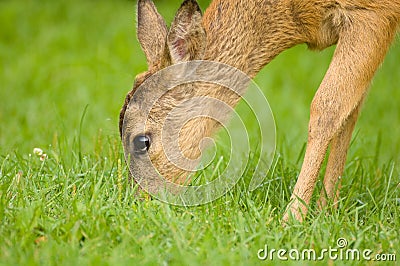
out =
column 60, row 58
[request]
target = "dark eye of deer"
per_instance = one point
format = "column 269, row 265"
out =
column 141, row 144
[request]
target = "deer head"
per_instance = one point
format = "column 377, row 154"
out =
column 143, row 116
column 153, row 115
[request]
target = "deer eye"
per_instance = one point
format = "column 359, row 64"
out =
column 141, row 144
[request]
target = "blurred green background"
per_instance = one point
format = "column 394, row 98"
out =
column 57, row 57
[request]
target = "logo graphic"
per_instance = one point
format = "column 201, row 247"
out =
column 175, row 107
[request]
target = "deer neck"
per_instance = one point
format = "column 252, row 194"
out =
column 249, row 34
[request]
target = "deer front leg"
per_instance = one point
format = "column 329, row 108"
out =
column 336, row 162
column 362, row 45
column 330, row 114
column 317, row 145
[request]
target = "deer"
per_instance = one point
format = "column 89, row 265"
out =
column 247, row 35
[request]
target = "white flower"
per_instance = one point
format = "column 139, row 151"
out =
column 38, row 151
column 43, row 157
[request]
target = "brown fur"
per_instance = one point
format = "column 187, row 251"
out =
column 248, row 35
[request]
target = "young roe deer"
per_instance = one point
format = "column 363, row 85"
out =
column 248, row 35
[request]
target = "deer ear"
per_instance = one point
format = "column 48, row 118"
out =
column 151, row 31
column 187, row 38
